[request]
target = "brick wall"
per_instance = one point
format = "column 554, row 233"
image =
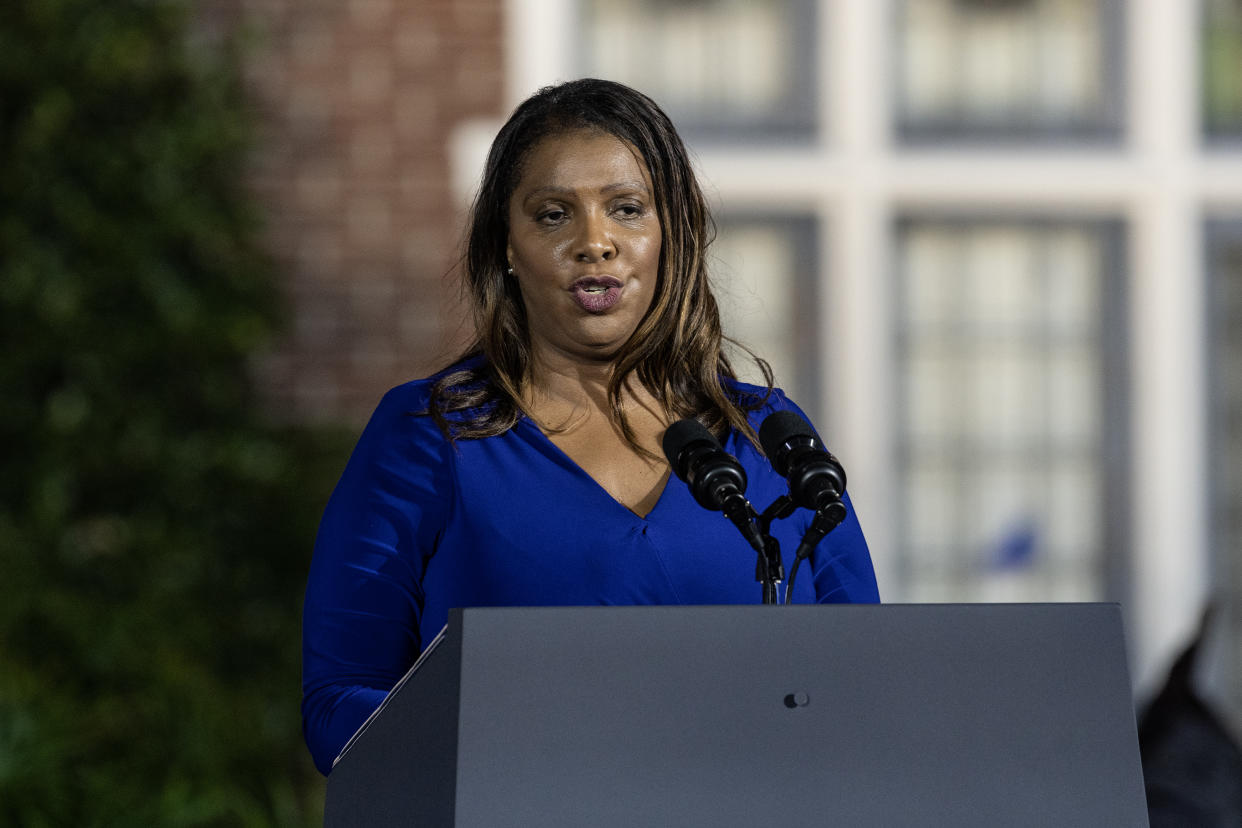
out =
column 356, row 101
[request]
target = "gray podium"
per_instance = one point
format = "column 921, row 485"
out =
column 896, row 715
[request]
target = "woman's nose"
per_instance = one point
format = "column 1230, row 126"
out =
column 595, row 243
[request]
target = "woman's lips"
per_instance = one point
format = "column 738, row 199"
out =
column 596, row 294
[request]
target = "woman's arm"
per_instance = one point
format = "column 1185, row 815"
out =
column 364, row 595
column 842, row 564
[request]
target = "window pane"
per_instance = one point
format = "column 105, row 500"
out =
column 1222, row 68
column 1009, row 69
column 1001, row 441
column 764, row 270
column 723, row 69
column 1224, row 253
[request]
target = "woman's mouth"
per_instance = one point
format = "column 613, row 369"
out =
column 596, row 294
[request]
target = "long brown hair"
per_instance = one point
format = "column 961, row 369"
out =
column 676, row 351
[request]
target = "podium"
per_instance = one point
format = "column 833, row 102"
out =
column 853, row 715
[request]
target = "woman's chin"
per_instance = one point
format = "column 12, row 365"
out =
column 583, row 350
column 604, row 335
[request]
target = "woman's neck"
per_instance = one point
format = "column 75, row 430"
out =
column 560, row 392
column 576, row 385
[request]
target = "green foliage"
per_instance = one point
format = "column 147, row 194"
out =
column 154, row 533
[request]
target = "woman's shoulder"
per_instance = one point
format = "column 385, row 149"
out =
column 400, row 423
column 758, row 400
column 414, row 397
column 411, row 397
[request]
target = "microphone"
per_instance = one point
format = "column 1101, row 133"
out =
column 698, row 458
column 715, row 478
column 816, row 479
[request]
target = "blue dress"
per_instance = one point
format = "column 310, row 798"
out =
column 417, row 526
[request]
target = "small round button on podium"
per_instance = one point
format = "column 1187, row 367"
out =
column 793, row 700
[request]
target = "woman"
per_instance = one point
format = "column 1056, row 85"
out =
column 529, row 472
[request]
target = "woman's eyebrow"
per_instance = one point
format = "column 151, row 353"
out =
column 625, row 185
column 555, row 189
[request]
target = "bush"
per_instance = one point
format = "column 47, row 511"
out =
column 154, row 531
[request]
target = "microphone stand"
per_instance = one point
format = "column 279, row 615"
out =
column 769, row 569
column 827, row 518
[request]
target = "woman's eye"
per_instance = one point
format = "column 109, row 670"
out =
column 551, row 216
column 630, row 210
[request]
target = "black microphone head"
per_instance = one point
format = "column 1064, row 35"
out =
column 815, row 477
column 781, row 433
column 697, row 458
column 680, row 436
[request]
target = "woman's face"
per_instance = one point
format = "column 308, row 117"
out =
column 584, row 244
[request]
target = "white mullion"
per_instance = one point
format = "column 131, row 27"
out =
column 1218, row 180
column 1169, row 531
column 1036, row 178
column 859, row 278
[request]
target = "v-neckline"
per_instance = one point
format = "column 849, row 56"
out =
column 564, row 455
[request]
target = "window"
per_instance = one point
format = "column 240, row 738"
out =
column 1017, row 70
column 1009, row 408
column 723, row 69
column 765, row 271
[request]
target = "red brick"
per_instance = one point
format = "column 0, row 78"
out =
column 356, row 102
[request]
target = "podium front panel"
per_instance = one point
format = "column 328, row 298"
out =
column 955, row 715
